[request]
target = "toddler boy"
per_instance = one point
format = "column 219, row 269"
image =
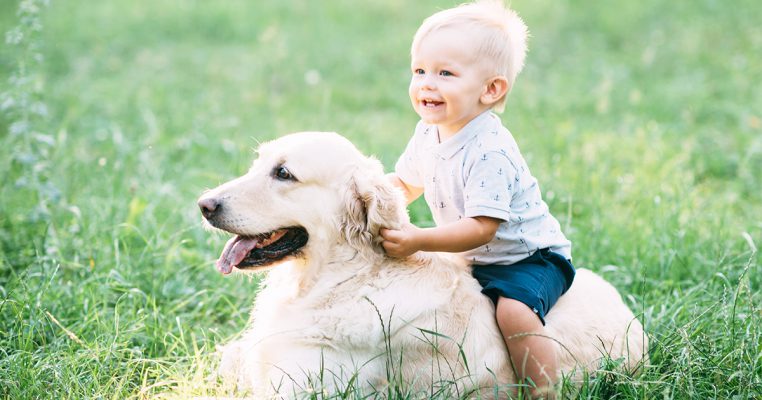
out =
column 486, row 204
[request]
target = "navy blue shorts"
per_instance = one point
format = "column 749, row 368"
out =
column 537, row 281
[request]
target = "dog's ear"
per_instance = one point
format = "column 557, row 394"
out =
column 371, row 203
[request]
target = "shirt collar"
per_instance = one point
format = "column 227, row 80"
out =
column 457, row 142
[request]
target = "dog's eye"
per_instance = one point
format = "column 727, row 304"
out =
column 283, row 173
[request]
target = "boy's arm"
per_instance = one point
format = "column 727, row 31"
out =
column 462, row 235
column 411, row 192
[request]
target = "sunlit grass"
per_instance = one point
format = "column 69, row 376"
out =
column 642, row 121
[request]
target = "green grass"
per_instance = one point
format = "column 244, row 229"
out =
column 642, row 121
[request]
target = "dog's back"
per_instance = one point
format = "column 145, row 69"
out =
column 592, row 322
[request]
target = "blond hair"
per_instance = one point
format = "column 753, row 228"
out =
column 499, row 33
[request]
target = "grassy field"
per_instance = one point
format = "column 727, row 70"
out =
column 642, row 120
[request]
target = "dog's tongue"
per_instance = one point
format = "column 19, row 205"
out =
column 234, row 252
column 238, row 247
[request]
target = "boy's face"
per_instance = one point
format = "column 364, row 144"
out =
column 448, row 81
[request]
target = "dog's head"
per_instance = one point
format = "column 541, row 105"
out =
column 306, row 193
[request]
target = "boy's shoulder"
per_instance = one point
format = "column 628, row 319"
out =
column 495, row 137
column 493, row 147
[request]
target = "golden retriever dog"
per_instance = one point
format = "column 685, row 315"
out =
column 335, row 313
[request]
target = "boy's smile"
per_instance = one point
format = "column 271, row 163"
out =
column 431, row 103
column 448, row 81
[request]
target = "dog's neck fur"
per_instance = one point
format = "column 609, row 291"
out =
column 342, row 262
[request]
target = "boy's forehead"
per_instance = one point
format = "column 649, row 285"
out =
column 452, row 46
column 447, row 44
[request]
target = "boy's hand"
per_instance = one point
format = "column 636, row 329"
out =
column 401, row 243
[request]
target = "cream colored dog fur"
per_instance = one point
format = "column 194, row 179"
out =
column 338, row 312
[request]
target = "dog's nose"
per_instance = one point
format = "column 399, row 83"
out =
column 209, row 206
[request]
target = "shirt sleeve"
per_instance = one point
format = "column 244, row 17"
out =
column 489, row 187
column 407, row 167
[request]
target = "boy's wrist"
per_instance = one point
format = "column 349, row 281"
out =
column 431, row 239
column 421, row 240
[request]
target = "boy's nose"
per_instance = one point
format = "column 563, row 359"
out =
column 428, row 82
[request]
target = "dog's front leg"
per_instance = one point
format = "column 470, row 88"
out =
column 234, row 368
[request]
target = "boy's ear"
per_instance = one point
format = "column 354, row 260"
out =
column 495, row 89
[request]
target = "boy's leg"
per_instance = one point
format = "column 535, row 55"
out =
column 533, row 356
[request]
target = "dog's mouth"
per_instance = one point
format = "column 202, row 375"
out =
column 261, row 250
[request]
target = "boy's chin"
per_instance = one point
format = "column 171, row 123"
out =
column 430, row 119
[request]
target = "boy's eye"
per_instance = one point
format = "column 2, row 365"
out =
column 418, row 71
column 445, row 73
